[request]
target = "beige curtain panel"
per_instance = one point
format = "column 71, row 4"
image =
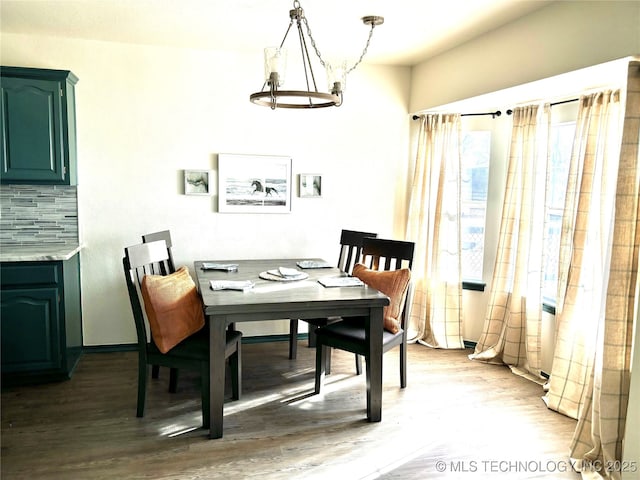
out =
column 592, row 360
column 585, row 249
column 512, row 331
column 434, row 225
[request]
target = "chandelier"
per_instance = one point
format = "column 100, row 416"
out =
column 275, row 61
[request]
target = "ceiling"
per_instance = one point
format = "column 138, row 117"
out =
column 413, row 29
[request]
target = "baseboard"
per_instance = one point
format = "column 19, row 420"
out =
column 122, row 347
column 132, row 347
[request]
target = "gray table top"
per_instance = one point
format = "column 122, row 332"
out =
column 267, row 298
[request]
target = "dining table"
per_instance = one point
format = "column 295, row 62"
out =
column 270, row 298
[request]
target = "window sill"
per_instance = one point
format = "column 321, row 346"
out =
column 547, row 307
column 480, row 286
column 475, row 286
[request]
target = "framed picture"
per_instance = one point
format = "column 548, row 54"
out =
column 254, row 183
column 196, row 182
column 310, row 185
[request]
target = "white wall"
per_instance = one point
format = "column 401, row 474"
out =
column 146, row 113
column 561, row 37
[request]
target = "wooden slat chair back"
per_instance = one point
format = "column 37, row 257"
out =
column 166, row 236
column 140, row 261
column 383, row 254
column 170, row 266
column 351, row 242
column 193, row 352
column 349, row 334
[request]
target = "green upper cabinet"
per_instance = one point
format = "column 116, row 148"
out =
column 38, row 126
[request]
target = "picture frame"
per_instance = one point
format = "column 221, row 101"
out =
column 197, row 182
column 254, row 183
column 310, row 185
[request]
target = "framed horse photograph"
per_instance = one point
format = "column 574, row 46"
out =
column 254, row 183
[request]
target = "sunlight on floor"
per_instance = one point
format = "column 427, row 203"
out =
column 182, row 432
column 473, row 431
column 305, row 401
column 302, row 397
column 178, row 427
column 298, row 372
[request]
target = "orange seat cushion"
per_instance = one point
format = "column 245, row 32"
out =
column 173, row 307
column 394, row 284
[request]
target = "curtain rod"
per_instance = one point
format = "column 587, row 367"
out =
column 495, row 114
column 564, row 101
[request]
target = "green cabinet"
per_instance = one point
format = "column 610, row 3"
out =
column 40, row 319
column 38, row 126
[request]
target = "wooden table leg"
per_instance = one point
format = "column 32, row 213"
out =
column 217, row 344
column 373, row 327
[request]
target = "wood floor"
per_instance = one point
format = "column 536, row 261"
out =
column 456, row 419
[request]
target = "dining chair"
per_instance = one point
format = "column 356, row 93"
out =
column 350, row 254
column 153, row 237
column 379, row 255
column 151, row 260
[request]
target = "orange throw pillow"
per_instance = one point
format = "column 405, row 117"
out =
column 173, row 307
column 394, row 284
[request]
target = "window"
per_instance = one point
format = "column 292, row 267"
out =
column 476, row 149
column 561, row 141
column 484, row 138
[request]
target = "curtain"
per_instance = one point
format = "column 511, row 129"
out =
column 434, row 225
column 599, row 264
column 512, row 330
column 585, row 250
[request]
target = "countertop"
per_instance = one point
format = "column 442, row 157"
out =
column 38, row 253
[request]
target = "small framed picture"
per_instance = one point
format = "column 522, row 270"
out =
column 196, row 182
column 310, row 185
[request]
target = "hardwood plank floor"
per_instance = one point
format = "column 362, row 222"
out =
column 456, row 419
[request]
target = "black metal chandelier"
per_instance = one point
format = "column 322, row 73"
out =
column 275, row 60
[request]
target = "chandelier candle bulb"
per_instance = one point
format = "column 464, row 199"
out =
column 337, row 76
column 275, row 62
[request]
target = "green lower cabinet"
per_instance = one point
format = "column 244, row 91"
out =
column 30, row 330
column 40, row 318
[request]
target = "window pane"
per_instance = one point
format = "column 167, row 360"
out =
column 561, row 141
column 476, row 146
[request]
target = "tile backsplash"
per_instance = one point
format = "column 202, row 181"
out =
column 36, row 214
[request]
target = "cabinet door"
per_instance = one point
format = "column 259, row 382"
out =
column 32, row 137
column 30, row 321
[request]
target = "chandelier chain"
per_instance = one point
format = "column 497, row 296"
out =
column 322, row 62
column 364, row 52
column 313, row 42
